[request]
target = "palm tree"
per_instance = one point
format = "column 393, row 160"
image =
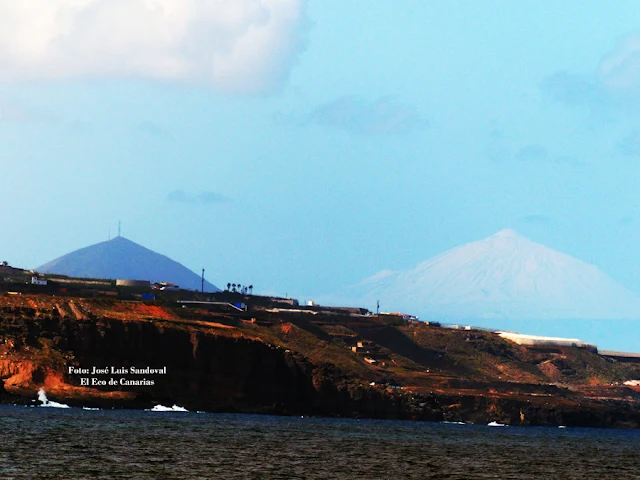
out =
column 228, row 286
column 233, row 287
column 251, row 289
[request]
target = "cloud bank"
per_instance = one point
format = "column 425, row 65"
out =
column 236, row 46
column 382, row 116
column 535, row 153
column 615, row 83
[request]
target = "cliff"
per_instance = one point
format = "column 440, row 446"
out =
column 293, row 362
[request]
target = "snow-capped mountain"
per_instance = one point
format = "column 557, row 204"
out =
column 504, row 276
column 120, row 258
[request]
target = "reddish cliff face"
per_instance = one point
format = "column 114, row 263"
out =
column 291, row 364
column 204, row 370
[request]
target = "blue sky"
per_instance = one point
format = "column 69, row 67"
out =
column 301, row 146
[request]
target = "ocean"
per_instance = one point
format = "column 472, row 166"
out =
column 59, row 443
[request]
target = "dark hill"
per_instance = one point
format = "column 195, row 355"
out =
column 120, row 258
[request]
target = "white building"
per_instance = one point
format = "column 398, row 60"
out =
column 537, row 341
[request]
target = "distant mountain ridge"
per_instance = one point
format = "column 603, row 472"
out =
column 504, row 276
column 120, row 258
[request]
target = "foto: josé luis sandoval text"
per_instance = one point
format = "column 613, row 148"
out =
column 117, row 371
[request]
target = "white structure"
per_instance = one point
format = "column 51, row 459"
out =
column 620, row 355
column 165, row 286
column 37, row 281
column 536, row 341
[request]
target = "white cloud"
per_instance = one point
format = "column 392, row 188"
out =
column 237, row 46
column 619, row 70
column 613, row 85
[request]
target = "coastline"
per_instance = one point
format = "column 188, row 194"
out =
column 286, row 364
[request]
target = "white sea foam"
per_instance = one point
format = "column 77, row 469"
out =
column 495, row 424
column 42, row 396
column 162, row 408
column 90, row 408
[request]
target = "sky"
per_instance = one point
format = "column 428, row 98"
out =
column 302, row 146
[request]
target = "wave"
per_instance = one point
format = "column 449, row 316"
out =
column 162, row 408
column 42, row 396
column 495, row 424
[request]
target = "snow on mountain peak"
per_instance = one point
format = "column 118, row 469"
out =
column 508, row 237
column 505, row 275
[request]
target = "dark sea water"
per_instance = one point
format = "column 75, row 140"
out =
column 47, row 443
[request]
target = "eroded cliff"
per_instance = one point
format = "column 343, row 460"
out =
column 292, row 363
